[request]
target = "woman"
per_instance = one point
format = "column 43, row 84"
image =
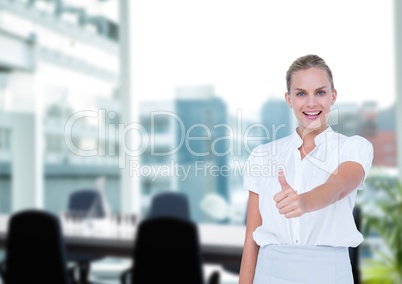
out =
column 300, row 222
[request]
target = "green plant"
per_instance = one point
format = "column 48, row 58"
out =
column 382, row 216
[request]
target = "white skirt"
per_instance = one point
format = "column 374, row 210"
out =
column 281, row 264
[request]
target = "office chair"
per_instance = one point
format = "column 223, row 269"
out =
column 170, row 204
column 89, row 203
column 166, row 250
column 35, row 250
column 354, row 252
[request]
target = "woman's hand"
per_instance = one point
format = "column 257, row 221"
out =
column 289, row 203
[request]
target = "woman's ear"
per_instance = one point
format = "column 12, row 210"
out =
column 334, row 96
column 287, row 98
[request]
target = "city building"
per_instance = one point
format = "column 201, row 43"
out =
column 50, row 57
column 277, row 118
column 376, row 125
column 156, row 168
column 205, row 147
column 345, row 118
column 384, row 138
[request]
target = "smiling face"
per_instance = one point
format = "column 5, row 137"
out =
column 311, row 96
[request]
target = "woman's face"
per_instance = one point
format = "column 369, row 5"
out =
column 311, row 97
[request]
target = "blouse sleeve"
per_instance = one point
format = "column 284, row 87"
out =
column 252, row 171
column 360, row 150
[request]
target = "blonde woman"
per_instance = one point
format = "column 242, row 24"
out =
column 300, row 222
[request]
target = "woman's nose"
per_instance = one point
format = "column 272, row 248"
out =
column 311, row 101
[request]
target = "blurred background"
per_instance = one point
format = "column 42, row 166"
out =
column 157, row 96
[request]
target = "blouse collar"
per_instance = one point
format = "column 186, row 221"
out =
column 319, row 139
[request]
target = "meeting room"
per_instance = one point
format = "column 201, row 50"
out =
column 132, row 137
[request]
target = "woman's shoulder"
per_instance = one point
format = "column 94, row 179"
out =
column 354, row 141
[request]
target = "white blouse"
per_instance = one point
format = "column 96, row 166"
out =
column 331, row 226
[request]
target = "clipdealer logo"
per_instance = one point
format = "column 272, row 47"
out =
column 203, row 169
column 135, row 140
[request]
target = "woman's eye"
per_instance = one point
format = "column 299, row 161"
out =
column 321, row 93
column 300, row 94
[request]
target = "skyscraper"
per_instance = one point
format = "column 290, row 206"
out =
column 203, row 151
column 277, row 117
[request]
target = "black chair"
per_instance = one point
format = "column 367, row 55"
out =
column 167, row 250
column 170, row 204
column 87, row 203
column 354, row 252
column 35, row 250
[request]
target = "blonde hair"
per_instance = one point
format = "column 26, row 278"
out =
column 307, row 62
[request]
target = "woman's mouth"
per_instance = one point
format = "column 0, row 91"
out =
column 312, row 114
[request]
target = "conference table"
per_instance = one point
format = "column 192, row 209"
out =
column 220, row 243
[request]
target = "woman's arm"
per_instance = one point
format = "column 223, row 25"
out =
column 250, row 250
column 340, row 183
